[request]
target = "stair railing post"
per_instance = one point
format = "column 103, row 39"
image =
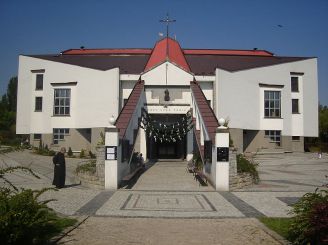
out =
column 221, row 168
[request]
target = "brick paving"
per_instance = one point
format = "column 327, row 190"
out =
column 167, row 197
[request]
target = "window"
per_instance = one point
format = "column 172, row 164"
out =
column 272, row 104
column 296, row 138
column 59, row 134
column 39, row 82
column 274, row 135
column 62, row 102
column 295, row 109
column 38, row 103
column 37, row 136
column 294, row 84
column 125, row 101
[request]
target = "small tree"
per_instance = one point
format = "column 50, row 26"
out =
column 69, row 152
column 82, row 153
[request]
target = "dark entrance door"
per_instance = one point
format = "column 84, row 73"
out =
column 166, row 150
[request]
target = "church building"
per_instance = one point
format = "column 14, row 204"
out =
column 269, row 102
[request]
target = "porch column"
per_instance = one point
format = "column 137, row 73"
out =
column 112, row 158
column 222, row 157
column 143, row 145
column 190, row 144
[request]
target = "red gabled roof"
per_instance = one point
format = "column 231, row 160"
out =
column 107, row 51
column 227, row 52
column 167, row 49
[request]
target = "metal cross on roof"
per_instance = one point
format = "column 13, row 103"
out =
column 167, row 21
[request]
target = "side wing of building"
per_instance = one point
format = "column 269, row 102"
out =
column 278, row 99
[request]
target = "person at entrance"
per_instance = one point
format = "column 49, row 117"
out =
column 59, row 168
column 141, row 160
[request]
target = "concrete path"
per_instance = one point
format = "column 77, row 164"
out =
column 167, row 206
column 127, row 231
column 169, row 175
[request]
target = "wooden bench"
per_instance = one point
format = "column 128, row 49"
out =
column 131, row 175
column 201, row 177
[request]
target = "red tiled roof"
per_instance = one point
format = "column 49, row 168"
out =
column 208, row 116
column 126, row 113
column 167, row 49
column 107, row 51
column 227, row 52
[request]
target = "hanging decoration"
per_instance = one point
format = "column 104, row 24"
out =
column 166, row 132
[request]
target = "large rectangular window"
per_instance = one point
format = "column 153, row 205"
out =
column 39, row 82
column 272, row 104
column 59, row 134
column 62, row 102
column 295, row 107
column 274, row 135
column 38, row 104
column 294, row 84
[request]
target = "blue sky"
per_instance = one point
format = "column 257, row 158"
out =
column 46, row 26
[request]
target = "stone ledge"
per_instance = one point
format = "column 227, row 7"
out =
column 240, row 181
column 89, row 180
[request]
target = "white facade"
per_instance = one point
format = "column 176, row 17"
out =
column 237, row 96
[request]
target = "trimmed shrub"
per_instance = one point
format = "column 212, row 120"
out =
column 69, row 152
column 82, row 153
column 92, row 155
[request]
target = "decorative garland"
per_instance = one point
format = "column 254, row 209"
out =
column 166, row 132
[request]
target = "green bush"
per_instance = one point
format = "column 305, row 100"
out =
column 92, row 155
column 310, row 224
column 198, row 161
column 82, row 153
column 69, row 152
column 89, row 167
column 23, row 218
column 245, row 166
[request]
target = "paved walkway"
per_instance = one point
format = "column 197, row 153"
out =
column 169, row 175
column 167, row 200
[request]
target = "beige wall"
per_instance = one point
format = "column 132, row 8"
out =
column 236, row 134
column 77, row 139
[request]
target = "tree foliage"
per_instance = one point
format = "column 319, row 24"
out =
column 323, row 123
column 8, row 105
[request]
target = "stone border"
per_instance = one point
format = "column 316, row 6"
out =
column 241, row 181
column 89, row 180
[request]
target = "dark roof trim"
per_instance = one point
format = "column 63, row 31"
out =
column 271, row 85
column 297, row 73
column 64, row 84
column 38, row 71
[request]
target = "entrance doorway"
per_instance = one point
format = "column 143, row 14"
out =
column 166, row 150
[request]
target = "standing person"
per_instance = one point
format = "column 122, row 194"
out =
column 60, row 168
column 141, row 160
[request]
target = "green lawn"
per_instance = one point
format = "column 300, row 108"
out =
column 279, row 225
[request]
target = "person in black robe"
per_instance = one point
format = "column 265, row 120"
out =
column 60, row 168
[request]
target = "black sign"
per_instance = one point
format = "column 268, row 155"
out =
column 111, row 153
column 222, row 154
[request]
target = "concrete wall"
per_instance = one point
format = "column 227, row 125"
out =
column 239, row 98
column 77, row 139
column 95, row 95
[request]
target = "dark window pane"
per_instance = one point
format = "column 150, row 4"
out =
column 39, row 82
column 38, row 103
column 294, row 84
column 295, row 106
